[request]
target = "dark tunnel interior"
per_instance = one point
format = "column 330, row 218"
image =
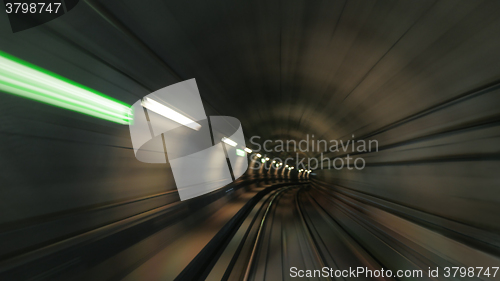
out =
column 371, row 130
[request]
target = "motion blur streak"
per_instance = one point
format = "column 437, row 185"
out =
column 20, row 78
column 420, row 77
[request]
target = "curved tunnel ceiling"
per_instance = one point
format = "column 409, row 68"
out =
column 332, row 69
column 329, row 68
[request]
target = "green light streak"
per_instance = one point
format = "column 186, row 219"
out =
column 20, row 78
column 240, row 152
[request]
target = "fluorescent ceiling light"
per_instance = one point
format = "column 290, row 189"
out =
column 229, row 141
column 23, row 79
column 171, row 114
column 248, row 150
column 258, row 155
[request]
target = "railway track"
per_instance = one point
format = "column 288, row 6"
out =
column 285, row 235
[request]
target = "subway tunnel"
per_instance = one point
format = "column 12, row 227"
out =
column 371, row 132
